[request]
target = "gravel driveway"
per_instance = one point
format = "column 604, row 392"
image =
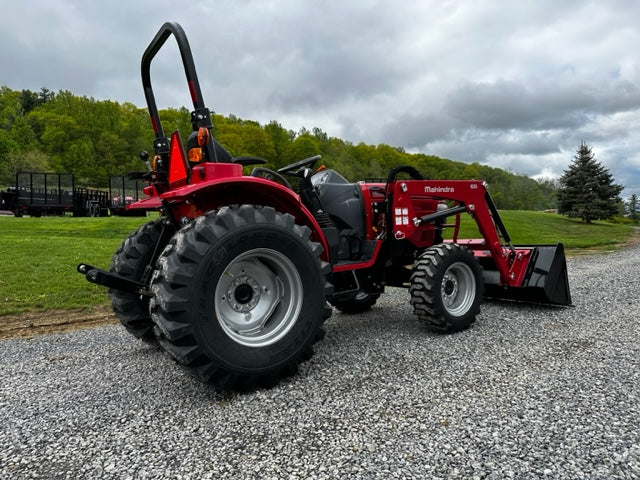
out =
column 526, row 393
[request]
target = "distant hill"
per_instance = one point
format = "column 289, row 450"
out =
column 47, row 131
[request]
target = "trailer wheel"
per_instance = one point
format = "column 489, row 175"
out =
column 239, row 297
column 94, row 210
column 446, row 287
column 130, row 261
column 355, row 302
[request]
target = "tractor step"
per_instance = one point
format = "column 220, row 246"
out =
column 545, row 282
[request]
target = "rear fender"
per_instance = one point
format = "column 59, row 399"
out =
column 196, row 199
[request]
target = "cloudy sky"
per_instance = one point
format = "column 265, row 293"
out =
column 513, row 84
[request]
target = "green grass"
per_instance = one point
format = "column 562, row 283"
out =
column 39, row 255
column 526, row 227
column 39, row 258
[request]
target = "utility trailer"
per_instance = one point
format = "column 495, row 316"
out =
column 37, row 194
column 238, row 274
column 124, row 191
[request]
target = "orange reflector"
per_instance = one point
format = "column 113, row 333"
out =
column 177, row 162
column 203, row 136
column 195, row 154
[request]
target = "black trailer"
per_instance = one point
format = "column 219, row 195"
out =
column 37, row 194
column 124, row 191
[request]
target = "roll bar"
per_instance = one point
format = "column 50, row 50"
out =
column 201, row 116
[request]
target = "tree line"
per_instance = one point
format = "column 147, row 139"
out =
column 62, row 132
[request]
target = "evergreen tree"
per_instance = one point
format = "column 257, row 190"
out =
column 586, row 189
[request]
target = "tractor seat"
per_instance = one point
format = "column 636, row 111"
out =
column 246, row 161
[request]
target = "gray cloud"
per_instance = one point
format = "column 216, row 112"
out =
column 516, row 85
column 511, row 105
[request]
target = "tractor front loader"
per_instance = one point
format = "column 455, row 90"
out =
column 238, row 273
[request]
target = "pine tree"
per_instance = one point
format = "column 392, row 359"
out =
column 587, row 190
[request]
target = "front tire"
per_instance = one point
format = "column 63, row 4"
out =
column 446, row 287
column 239, row 297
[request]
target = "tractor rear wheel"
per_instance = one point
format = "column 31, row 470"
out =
column 239, row 297
column 446, row 287
column 130, row 261
column 355, row 303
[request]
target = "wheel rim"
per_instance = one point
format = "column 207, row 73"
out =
column 458, row 289
column 258, row 297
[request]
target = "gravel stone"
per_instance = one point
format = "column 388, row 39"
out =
column 527, row 392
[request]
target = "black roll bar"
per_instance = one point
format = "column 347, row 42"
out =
column 201, row 116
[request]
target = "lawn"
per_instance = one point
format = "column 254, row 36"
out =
column 526, row 227
column 39, row 258
column 39, row 255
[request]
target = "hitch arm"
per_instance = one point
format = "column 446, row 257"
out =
column 112, row 280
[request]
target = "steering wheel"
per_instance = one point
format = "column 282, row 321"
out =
column 307, row 162
column 270, row 175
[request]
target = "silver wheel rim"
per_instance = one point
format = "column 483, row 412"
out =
column 258, row 297
column 458, row 289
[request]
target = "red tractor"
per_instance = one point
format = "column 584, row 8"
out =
column 237, row 275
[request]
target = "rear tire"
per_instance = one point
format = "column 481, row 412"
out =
column 239, row 297
column 130, row 261
column 446, row 287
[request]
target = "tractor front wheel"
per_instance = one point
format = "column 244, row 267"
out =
column 239, row 297
column 446, row 287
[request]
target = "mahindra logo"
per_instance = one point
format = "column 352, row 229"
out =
column 439, row 189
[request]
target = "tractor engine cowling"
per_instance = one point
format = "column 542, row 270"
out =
column 341, row 202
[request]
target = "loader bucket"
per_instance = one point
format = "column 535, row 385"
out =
column 545, row 281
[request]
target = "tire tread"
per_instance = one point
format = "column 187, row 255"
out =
column 170, row 302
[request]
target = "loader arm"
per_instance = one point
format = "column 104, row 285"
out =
column 508, row 268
